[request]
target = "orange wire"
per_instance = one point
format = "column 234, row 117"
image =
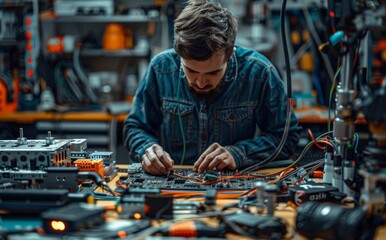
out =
column 326, row 142
column 315, row 142
column 280, row 176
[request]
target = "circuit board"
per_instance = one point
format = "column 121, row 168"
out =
column 188, row 180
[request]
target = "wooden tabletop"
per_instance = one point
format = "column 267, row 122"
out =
column 33, row 116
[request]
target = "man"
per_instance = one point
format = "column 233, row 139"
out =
column 204, row 101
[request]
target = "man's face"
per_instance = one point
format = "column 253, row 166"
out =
column 204, row 77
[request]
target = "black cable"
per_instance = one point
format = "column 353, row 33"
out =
column 285, row 48
column 162, row 210
column 289, row 97
column 97, row 179
column 82, row 75
column 238, row 229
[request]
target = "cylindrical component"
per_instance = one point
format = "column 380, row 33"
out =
column 21, row 140
column 348, row 171
column 337, row 176
column 316, row 220
column 348, row 174
column 49, row 138
column 345, row 116
column 270, row 192
column 328, row 168
column 260, row 186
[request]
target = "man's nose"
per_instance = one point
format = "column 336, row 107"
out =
column 201, row 83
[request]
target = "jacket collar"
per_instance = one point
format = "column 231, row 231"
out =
column 232, row 70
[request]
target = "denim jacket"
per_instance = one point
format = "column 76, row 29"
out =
column 247, row 116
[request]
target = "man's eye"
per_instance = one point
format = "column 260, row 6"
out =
column 213, row 73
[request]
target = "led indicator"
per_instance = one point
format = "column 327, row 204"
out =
column 28, row 21
column 122, row 234
column 58, row 225
column 30, row 73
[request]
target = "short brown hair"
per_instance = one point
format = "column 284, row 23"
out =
column 204, row 28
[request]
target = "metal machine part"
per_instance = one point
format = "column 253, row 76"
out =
column 33, row 154
column 354, row 17
column 24, row 159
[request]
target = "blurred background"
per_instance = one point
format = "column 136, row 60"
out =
column 72, row 66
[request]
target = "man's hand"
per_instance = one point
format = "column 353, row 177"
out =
column 156, row 161
column 216, row 156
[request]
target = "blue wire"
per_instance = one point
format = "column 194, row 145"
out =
column 356, row 141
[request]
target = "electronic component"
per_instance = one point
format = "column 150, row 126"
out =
column 94, row 162
column 113, row 229
column 187, row 180
column 83, row 7
column 63, row 178
column 45, row 162
column 31, row 25
column 54, row 45
column 20, row 174
column 159, row 206
column 134, row 168
column 89, row 165
column 36, row 154
column 111, row 171
column 78, row 155
column 132, row 202
column 33, row 155
column 78, row 144
column 271, row 194
column 328, row 165
column 32, row 200
column 192, row 229
column 106, row 156
column 73, row 217
column 299, row 194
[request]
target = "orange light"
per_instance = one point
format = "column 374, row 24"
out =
column 332, row 14
column 122, row 234
column 28, row 21
column 28, row 35
column 30, row 73
column 119, row 209
column 137, row 216
column 29, row 46
column 58, row 225
column 146, row 208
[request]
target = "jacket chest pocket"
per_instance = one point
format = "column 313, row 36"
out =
column 234, row 124
column 175, row 114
